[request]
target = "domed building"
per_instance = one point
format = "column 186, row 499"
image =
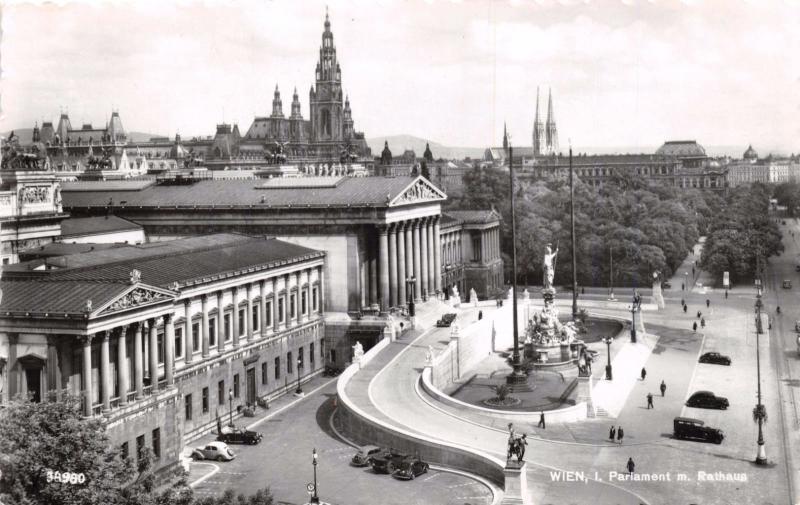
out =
column 750, row 154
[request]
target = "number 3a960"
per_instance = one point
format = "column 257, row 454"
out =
column 65, row 477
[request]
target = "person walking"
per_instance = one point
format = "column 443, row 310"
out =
column 650, row 401
column 702, row 322
column 612, row 433
column 663, row 388
column 726, row 294
column 644, row 373
column 684, row 309
column 620, row 434
column 480, row 315
column 708, row 303
column 694, row 326
column 631, row 466
column 683, row 302
column 683, row 286
column 541, row 420
column 699, row 314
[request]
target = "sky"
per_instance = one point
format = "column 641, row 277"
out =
column 622, row 73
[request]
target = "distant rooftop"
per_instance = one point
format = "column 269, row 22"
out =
column 82, row 226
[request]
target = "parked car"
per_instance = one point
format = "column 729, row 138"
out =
column 387, row 461
column 707, row 400
column 787, row 284
column 238, row 436
column 715, row 358
column 218, row 451
column 695, row 429
column 797, row 268
column 364, row 455
column 410, row 468
column 446, row 320
column 797, row 326
column 666, row 284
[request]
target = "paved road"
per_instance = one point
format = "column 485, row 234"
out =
column 283, row 462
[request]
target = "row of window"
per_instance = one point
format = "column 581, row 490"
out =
column 222, row 396
column 141, row 445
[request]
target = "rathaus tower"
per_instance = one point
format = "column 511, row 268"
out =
column 327, row 103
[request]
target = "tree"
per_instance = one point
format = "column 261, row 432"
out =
column 41, row 439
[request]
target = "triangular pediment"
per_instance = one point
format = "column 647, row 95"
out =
column 419, row 191
column 136, row 296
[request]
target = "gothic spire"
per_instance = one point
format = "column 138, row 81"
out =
column 505, row 136
column 550, row 117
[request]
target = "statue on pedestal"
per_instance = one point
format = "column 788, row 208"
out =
column 548, row 265
column 429, row 356
column 358, row 353
column 473, row 296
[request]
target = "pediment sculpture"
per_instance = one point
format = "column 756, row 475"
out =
column 419, row 192
column 138, row 296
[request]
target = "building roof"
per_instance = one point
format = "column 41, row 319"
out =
column 750, row 153
column 682, row 149
column 81, row 226
column 582, row 160
column 102, row 275
column 474, row 216
column 350, row 192
column 185, row 261
column 55, row 249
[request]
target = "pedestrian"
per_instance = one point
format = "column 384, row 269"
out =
column 541, row 420
column 612, row 433
column 644, row 373
column 708, row 303
column 583, row 291
column 683, row 286
column 650, row 401
column 699, row 314
column 726, row 294
column 663, row 388
column 480, row 315
column 631, row 466
column 620, row 434
column 694, row 326
column 692, row 271
column 684, row 309
column 702, row 322
column 683, row 302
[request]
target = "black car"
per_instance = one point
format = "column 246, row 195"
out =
column 666, row 284
column 695, row 429
column 707, row 400
column 388, row 461
column 446, row 320
column 410, row 468
column 238, row 436
column 715, row 358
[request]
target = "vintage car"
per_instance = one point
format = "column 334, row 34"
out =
column 364, row 455
column 387, row 461
column 410, row 468
column 238, row 436
column 695, row 429
column 218, row 451
column 707, row 400
column 714, row 358
column 446, row 320
column 787, row 284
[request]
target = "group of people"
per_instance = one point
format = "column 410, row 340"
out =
column 699, row 313
column 662, row 387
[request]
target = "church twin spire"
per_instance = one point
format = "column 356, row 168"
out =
column 545, row 135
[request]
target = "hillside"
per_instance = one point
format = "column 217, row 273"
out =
column 399, row 143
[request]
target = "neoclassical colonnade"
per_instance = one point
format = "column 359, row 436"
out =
column 250, row 314
column 408, row 263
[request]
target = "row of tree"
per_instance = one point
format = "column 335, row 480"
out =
column 645, row 228
column 43, row 444
column 740, row 232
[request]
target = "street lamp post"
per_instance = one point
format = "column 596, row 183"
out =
column 760, row 412
column 299, row 390
column 572, row 236
column 609, row 374
column 517, row 376
column 633, row 319
column 230, row 410
column 315, row 497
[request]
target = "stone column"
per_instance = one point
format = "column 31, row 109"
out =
column 437, row 256
column 321, row 278
column 220, row 323
column 262, row 311
column 122, row 365
column 53, row 370
column 275, row 305
column 204, row 325
column 373, row 278
column 86, row 375
column 249, row 322
column 431, row 259
column 383, row 252
column 393, row 291
column 154, row 355
column 417, row 270
column 298, row 299
column 169, row 350
column 235, row 317
column 423, row 251
column 364, row 282
column 105, row 373
column 187, row 333
column 138, row 360
column 402, row 298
